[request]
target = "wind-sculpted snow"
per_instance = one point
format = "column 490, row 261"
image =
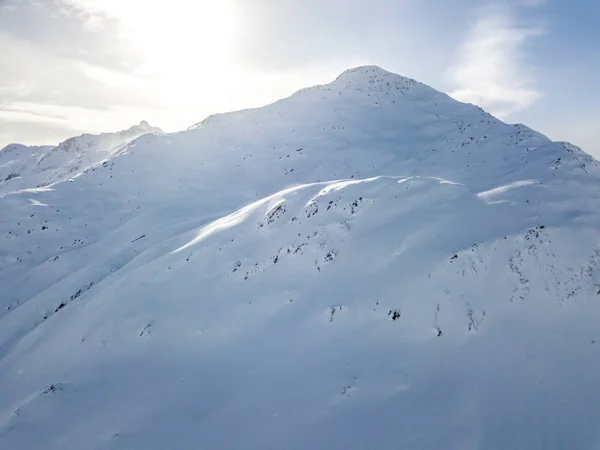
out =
column 366, row 264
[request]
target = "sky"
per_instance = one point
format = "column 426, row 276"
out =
column 74, row 66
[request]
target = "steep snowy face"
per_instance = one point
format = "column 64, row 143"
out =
column 365, row 264
column 37, row 166
column 16, row 158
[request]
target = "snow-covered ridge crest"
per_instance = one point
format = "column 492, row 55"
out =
column 23, row 167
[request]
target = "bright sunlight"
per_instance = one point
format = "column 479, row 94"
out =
column 182, row 43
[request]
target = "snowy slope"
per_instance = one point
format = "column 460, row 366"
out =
column 366, row 264
column 23, row 167
column 16, row 159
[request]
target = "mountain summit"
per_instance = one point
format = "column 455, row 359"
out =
column 365, row 264
column 371, row 75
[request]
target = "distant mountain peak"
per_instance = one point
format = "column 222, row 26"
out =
column 145, row 126
column 31, row 167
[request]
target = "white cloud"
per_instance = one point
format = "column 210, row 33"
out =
column 10, row 114
column 17, row 88
column 108, row 77
column 491, row 72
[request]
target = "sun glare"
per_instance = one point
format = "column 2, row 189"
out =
column 183, row 43
column 189, row 44
column 184, row 31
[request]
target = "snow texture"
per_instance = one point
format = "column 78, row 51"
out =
column 367, row 264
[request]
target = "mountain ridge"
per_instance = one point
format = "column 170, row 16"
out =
column 68, row 158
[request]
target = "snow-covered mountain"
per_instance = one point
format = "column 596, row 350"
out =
column 368, row 264
column 23, row 167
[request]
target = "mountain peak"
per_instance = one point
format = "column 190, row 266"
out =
column 364, row 70
column 144, row 125
column 373, row 80
column 370, row 74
